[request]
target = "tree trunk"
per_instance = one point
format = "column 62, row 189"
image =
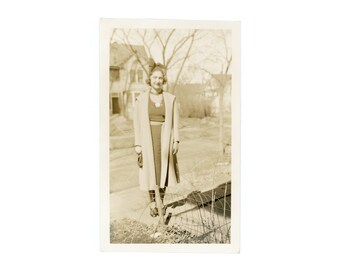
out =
column 221, row 152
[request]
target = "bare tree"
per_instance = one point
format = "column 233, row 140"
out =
column 223, row 89
column 174, row 47
column 219, row 55
column 126, row 40
column 192, row 39
column 222, row 36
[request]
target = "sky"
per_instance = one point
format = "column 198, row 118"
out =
column 207, row 56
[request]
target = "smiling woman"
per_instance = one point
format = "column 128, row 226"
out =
column 156, row 137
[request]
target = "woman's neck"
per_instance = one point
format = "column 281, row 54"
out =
column 156, row 92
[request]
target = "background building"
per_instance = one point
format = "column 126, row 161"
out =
column 127, row 77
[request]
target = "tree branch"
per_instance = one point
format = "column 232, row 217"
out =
column 134, row 52
column 178, row 46
column 186, row 57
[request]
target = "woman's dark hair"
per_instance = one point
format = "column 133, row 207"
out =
column 155, row 67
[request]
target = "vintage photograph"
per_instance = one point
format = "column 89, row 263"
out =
column 169, row 133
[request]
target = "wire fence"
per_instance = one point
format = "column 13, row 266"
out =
column 200, row 217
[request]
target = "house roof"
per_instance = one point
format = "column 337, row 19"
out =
column 190, row 87
column 120, row 53
column 221, row 78
column 138, row 87
column 119, row 87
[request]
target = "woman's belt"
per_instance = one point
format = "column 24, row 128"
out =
column 157, row 118
column 154, row 123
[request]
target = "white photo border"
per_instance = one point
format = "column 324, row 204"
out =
column 106, row 26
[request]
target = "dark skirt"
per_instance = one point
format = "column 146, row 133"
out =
column 156, row 131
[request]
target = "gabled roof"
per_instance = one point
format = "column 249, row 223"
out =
column 120, row 53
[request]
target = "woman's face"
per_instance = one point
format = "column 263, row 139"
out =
column 156, row 80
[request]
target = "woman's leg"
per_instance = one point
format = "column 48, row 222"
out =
column 162, row 193
column 153, row 208
column 152, row 196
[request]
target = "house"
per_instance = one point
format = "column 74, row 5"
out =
column 205, row 99
column 219, row 86
column 127, row 77
column 192, row 100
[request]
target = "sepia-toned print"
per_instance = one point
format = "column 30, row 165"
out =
column 170, row 135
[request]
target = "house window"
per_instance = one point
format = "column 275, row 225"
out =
column 140, row 76
column 115, row 105
column 132, row 76
column 114, row 74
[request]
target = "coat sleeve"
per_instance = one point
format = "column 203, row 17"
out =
column 136, row 123
column 176, row 122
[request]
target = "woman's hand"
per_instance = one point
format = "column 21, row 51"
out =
column 138, row 149
column 175, row 148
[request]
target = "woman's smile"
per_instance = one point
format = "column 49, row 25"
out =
column 157, row 80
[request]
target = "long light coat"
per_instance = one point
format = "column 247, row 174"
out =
column 169, row 134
